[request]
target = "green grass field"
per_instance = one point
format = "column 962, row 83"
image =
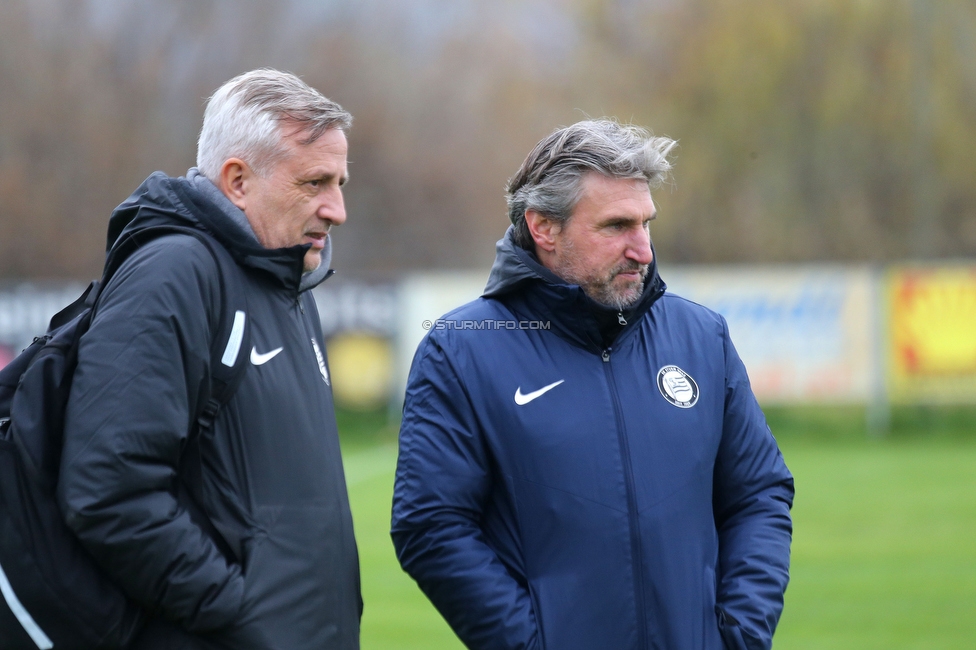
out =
column 884, row 547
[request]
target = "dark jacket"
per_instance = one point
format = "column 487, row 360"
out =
column 241, row 537
column 640, row 501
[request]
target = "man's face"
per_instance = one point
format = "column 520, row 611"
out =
column 605, row 246
column 300, row 198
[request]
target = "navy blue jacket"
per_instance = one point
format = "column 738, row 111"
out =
column 640, row 502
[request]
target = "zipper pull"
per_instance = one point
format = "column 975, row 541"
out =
column 301, row 307
column 620, row 318
column 606, row 356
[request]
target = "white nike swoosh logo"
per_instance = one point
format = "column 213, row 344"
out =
column 522, row 400
column 259, row 359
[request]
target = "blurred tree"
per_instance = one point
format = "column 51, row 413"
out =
column 809, row 129
column 813, row 129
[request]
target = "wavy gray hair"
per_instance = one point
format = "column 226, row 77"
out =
column 549, row 180
column 243, row 119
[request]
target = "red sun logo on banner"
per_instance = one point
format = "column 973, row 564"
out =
column 933, row 322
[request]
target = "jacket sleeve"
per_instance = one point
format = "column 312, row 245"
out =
column 140, row 370
column 753, row 494
column 443, row 479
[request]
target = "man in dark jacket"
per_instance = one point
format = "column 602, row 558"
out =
column 582, row 461
column 240, row 535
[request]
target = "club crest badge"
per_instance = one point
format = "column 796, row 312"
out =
column 677, row 386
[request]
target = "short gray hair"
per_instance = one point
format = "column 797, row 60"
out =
column 243, row 119
column 549, row 180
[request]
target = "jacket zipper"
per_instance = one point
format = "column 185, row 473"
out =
column 635, row 536
column 303, row 325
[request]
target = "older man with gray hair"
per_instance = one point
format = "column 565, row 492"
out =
column 226, row 522
column 582, row 461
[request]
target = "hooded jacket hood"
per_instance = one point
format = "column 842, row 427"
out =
column 194, row 201
column 518, row 279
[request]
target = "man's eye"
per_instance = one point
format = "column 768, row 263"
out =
column 314, row 183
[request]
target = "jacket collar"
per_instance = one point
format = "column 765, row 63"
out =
column 534, row 292
column 193, row 201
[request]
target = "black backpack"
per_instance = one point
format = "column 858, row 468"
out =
column 52, row 594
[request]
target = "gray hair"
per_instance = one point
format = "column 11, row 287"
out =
column 550, row 179
column 243, row 119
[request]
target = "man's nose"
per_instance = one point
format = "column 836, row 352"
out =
column 333, row 208
column 639, row 249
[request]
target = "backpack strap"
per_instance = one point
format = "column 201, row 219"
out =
column 229, row 349
column 83, row 302
column 227, row 364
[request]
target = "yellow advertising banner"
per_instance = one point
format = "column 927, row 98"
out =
column 932, row 334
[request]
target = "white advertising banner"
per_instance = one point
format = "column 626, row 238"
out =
column 424, row 298
column 26, row 309
column 805, row 333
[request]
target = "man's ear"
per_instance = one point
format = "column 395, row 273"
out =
column 234, row 174
column 543, row 230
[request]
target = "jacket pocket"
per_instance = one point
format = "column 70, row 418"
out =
column 733, row 635
column 711, row 634
column 300, row 581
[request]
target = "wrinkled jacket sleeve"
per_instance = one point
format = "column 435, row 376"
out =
column 753, row 494
column 442, row 481
column 140, row 372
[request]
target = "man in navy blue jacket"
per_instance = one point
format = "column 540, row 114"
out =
column 582, row 461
